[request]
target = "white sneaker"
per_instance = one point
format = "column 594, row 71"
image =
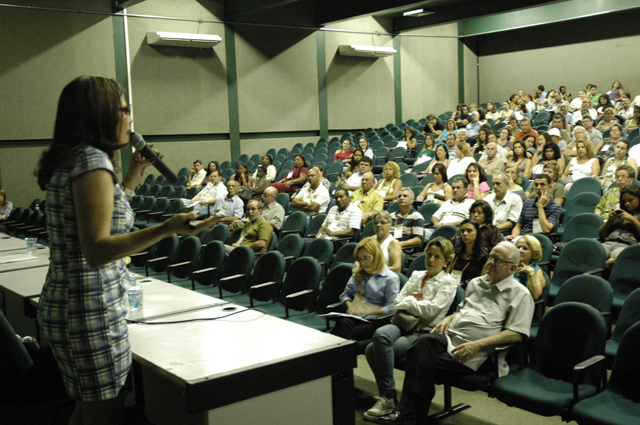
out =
column 383, row 406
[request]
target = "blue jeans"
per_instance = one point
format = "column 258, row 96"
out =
column 387, row 346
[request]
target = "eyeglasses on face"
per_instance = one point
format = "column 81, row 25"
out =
column 498, row 260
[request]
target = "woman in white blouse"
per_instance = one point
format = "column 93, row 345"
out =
column 464, row 158
column 585, row 164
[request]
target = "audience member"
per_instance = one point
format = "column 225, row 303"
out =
column 491, row 164
column 5, row 209
column 477, row 178
column 354, row 164
column 231, row 207
column 427, row 296
column 473, row 128
column 482, row 213
column 463, row 118
column 391, row 249
column 471, row 254
column 314, row 199
column 343, row 220
column 557, row 191
column 464, row 157
column 528, row 272
column 295, row 178
column 363, row 144
column 623, row 226
column 506, row 206
column 433, row 126
column 272, row 211
column 520, row 160
column 389, row 186
column 456, row 210
column 256, row 233
column 439, row 190
column 369, row 294
column 487, row 318
column 208, row 196
column 267, row 161
column 625, row 175
column 345, row 153
column 442, row 157
column 196, row 175
column 366, row 198
column 621, row 157
column 539, row 215
column 407, row 223
column 585, row 164
column 258, row 184
column 241, row 175
column 354, row 182
column 526, row 130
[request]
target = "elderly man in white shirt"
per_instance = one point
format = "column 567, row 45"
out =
column 455, row 210
column 506, row 205
column 314, row 199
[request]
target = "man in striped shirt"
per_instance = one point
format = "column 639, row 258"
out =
column 407, row 224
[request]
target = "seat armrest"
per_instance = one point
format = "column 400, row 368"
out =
column 594, row 271
column 308, row 293
column 580, row 370
column 333, row 306
column 254, row 288
column 173, row 266
column 157, row 259
column 235, row 283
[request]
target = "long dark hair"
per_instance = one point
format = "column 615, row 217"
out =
column 482, row 175
column 479, row 251
column 556, row 152
column 88, row 115
column 632, row 190
column 486, row 209
column 354, row 165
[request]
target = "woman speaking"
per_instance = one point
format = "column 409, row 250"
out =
column 82, row 308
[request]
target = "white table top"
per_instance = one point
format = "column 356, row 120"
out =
column 40, row 259
column 9, row 243
column 25, row 282
column 162, row 298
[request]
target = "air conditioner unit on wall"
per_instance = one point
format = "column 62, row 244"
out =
column 367, row 51
column 182, row 39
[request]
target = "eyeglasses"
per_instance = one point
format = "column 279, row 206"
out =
column 126, row 110
column 380, row 223
column 498, row 260
column 365, row 259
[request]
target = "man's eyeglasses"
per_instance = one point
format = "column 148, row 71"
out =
column 498, row 260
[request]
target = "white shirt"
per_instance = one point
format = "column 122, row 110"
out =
column 337, row 221
column 211, row 191
column 319, row 196
column 198, row 178
column 635, row 153
column 506, row 210
column 459, row 166
column 453, row 212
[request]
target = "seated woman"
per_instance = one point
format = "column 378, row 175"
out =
column 5, row 209
column 557, row 192
column 481, row 212
column 530, row 143
column 623, row 226
column 633, row 123
column 528, row 272
column 241, row 175
column 267, row 161
column 391, row 248
column 585, row 164
column 428, row 150
column 411, row 142
column 477, row 178
column 369, row 293
column 211, row 167
column 345, row 153
column 605, row 148
column 442, row 157
column 259, row 183
column 482, row 140
column 363, row 144
column 492, row 112
column 520, row 159
column 547, row 151
column 439, row 190
column 471, row 255
column 428, row 296
column 464, row 158
column 389, row 186
column 621, row 157
column 295, row 178
column 449, row 128
column 604, row 103
column 505, row 138
column 506, row 112
column 515, row 179
column 578, row 133
column 354, row 163
column 607, row 120
column 615, row 92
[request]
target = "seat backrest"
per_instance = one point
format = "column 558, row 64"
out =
column 547, row 247
column 303, row 274
column 290, row 245
column 188, row 250
column 578, row 256
column 586, row 184
column 165, row 192
column 269, row 268
column 320, row 249
column 569, row 334
column 314, row 225
column 629, row 315
column 447, row 231
column 368, row 230
column 297, row 221
column 212, row 255
column 457, row 299
column 626, row 368
column 219, row 232
column 418, row 263
column 428, row 209
column 623, row 276
column 165, row 248
column 409, row 180
column 240, row 261
column 584, row 202
column 345, row 254
column 587, row 289
column 148, row 204
column 585, row 225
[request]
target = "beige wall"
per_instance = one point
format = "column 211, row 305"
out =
column 470, row 76
column 575, row 65
column 429, row 71
column 359, row 90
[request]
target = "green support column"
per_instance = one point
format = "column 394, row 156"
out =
column 122, row 77
column 460, row 67
column 323, row 108
column 397, row 80
column 232, row 89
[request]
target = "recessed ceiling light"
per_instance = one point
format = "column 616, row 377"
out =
column 417, row 13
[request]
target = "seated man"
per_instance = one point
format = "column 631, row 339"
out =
column 625, row 174
column 323, row 180
column 455, row 210
column 231, row 207
column 451, row 145
column 557, row 192
column 473, row 128
column 407, row 224
column 354, row 182
column 208, row 196
column 506, row 205
column 492, row 164
column 313, row 199
column 463, row 118
column 256, row 233
column 196, row 175
column 526, row 130
column 539, row 215
column 343, row 220
column 272, row 212
column 496, row 311
column 366, row 198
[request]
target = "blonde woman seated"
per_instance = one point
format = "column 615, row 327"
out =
column 439, row 190
column 450, row 128
column 578, row 133
column 515, row 180
column 428, row 296
column 428, row 151
column 520, row 160
column 369, row 293
column 389, row 186
column 585, row 164
column 605, row 148
column 506, row 112
column 391, row 248
column 464, row 158
column 528, row 272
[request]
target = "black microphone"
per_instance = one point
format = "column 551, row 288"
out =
column 138, row 142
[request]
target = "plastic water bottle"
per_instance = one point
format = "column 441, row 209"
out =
column 134, row 294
